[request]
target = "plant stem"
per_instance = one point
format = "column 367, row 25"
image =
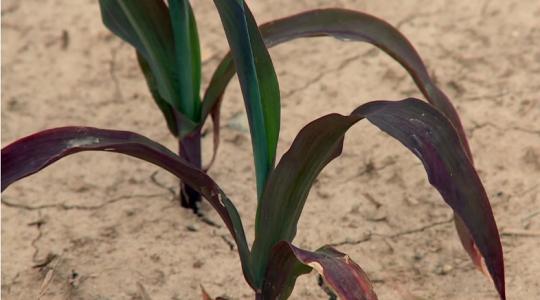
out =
column 190, row 150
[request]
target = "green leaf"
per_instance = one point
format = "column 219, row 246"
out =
column 289, row 184
column 258, row 82
column 216, row 88
column 418, row 126
column 350, row 25
column 187, row 56
column 166, row 108
column 345, row 25
column 179, row 125
column 340, row 272
column 147, row 27
column 33, row 153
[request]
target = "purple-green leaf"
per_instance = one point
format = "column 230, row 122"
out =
column 417, row 125
column 356, row 26
column 35, row 152
column 345, row 25
column 341, row 273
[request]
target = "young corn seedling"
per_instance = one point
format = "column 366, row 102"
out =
column 431, row 131
column 166, row 41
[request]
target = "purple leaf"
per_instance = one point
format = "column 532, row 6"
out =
column 342, row 24
column 35, row 152
column 357, row 26
column 418, row 126
column 341, row 273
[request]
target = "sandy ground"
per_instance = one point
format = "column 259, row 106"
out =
column 114, row 229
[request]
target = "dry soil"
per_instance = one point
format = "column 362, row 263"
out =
column 112, row 222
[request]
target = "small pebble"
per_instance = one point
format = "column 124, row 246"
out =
column 443, row 269
column 198, row 264
column 376, row 216
column 192, row 228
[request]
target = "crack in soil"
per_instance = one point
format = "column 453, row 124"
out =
column 202, row 217
column 39, row 223
column 156, row 182
column 369, row 236
column 504, row 130
column 65, row 206
column 320, row 76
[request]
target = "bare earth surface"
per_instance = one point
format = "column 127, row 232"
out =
column 109, row 222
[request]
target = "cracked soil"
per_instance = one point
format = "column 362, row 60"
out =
column 102, row 226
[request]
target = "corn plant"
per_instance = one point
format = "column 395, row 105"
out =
column 167, row 48
column 431, row 131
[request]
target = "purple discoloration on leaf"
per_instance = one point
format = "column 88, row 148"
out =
column 423, row 130
column 35, row 152
column 354, row 26
column 436, row 143
column 341, row 273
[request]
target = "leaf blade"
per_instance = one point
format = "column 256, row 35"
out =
column 341, row 273
column 465, row 184
column 146, row 26
column 166, row 109
column 352, row 25
column 258, row 82
column 419, row 127
column 359, row 27
column 187, row 56
column 33, row 153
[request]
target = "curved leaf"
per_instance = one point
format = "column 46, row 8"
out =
column 258, row 82
column 419, row 127
column 187, row 57
column 342, row 274
column 352, row 25
column 215, row 138
column 147, row 27
column 345, row 25
column 288, row 186
column 35, row 152
column 357, row 26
